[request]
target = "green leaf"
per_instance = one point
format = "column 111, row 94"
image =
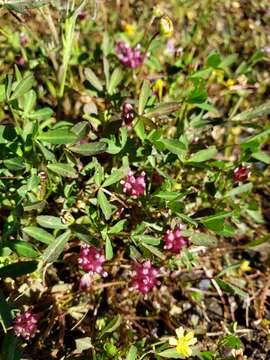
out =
column 23, row 86
column 23, row 248
column 115, row 80
column 18, row 269
column 163, row 109
column 254, row 113
column 39, row 234
column 55, row 249
column 153, row 250
column 257, row 242
column 168, row 195
column 11, row 348
column 171, row 354
column 5, row 312
column 80, row 129
column 118, row 227
column 50, row 222
column 93, row 79
column 83, row 344
column 213, row 60
column 104, row 204
column 202, row 239
column 14, row 164
column 115, row 177
column 261, row 156
column 112, row 325
column 245, row 188
column 108, row 248
column 41, row 114
column 58, row 136
column 174, row 146
column 132, row 353
column 147, row 239
column 203, row 155
column 144, row 95
column 65, row 170
column 29, row 101
column 139, row 129
column 89, row 149
column 231, row 341
column 231, row 288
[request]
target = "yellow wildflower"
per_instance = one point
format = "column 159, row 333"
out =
column 229, row 83
column 245, row 266
column 129, row 29
column 183, row 342
column 158, row 88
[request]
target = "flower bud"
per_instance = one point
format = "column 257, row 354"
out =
column 241, row 173
column 166, row 26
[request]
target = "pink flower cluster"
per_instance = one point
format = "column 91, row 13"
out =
column 129, row 57
column 134, row 186
column 144, row 277
column 174, row 241
column 26, row 325
column 91, row 260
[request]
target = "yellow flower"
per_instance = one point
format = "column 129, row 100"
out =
column 183, row 342
column 229, row 83
column 158, row 88
column 245, row 266
column 166, row 26
column 129, row 29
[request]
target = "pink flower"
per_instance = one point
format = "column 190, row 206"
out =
column 82, row 15
column 144, row 277
column 86, row 281
column 26, row 325
column 23, row 39
column 127, row 115
column 134, row 186
column 241, row 173
column 91, row 260
column 20, row 61
column 130, row 57
column 174, row 241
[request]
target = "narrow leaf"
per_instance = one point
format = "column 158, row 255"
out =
column 50, row 222
column 65, row 170
column 104, row 204
column 93, row 79
column 89, row 149
column 203, row 155
column 58, row 136
column 115, row 80
column 39, row 234
column 55, row 249
column 18, row 269
column 144, row 95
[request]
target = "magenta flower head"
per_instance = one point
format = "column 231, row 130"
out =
column 91, row 260
column 134, row 186
column 82, row 15
column 129, row 57
column 26, row 325
column 23, row 39
column 241, row 173
column 20, row 61
column 174, row 241
column 145, row 277
column 127, row 115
